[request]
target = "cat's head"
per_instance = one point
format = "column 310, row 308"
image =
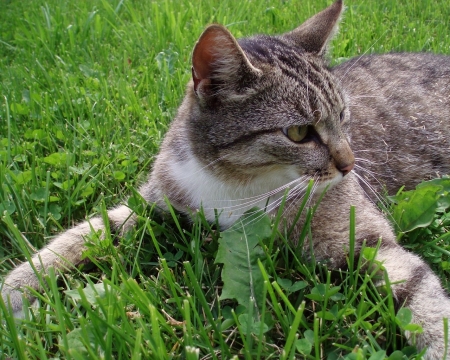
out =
column 260, row 113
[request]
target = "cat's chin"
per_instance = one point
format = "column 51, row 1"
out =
column 328, row 184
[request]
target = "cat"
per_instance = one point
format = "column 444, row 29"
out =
column 265, row 114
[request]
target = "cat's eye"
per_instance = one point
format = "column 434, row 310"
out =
column 296, row 133
column 342, row 116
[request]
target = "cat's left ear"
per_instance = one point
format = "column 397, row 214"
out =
column 219, row 64
column 316, row 32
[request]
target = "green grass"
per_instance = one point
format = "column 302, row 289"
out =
column 88, row 89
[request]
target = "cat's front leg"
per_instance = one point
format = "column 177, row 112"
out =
column 61, row 253
column 415, row 286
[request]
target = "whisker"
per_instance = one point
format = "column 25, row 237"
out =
column 262, row 196
column 371, row 173
column 255, row 200
column 298, row 190
column 369, row 161
column 296, row 198
column 383, row 203
column 379, row 198
column 299, row 196
column 313, row 190
column 295, row 192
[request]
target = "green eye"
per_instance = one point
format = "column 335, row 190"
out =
column 296, row 133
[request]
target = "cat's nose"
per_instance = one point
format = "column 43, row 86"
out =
column 346, row 169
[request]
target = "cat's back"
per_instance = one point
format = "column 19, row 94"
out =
column 400, row 116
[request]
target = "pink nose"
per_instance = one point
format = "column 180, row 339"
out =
column 346, row 169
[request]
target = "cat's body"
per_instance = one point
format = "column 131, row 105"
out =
column 264, row 115
column 400, row 106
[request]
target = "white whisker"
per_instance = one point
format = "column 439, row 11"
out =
column 373, row 174
column 275, row 203
column 264, row 195
column 379, row 198
column 295, row 197
column 367, row 161
column 296, row 191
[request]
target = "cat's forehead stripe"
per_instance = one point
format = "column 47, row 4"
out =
column 319, row 90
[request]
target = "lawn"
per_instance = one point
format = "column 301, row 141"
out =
column 88, row 89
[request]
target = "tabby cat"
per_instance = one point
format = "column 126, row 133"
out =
column 265, row 114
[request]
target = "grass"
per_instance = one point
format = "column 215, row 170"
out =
column 88, row 90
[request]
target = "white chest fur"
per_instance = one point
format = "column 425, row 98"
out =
column 230, row 200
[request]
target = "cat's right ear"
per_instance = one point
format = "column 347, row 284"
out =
column 316, row 32
column 219, row 64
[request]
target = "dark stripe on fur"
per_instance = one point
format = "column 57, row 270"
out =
column 246, row 138
column 406, row 291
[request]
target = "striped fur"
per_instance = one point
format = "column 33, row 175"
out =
column 231, row 148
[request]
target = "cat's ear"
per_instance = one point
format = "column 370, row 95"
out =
column 219, row 63
column 316, row 32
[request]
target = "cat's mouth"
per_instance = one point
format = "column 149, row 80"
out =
column 331, row 178
column 329, row 182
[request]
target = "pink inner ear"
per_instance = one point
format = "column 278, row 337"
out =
column 214, row 43
column 203, row 57
column 216, row 55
